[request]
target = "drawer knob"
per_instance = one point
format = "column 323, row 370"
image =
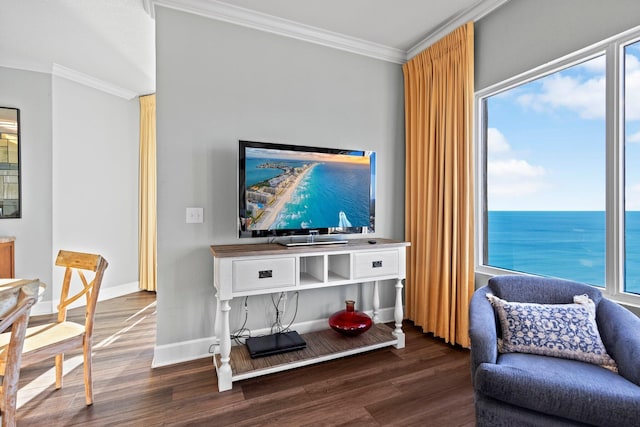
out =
column 265, row 274
column 376, row 264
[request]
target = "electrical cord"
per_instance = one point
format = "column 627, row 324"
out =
column 277, row 326
column 242, row 332
column 295, row 313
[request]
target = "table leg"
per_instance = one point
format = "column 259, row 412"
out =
column 376, row 303
column 224, row 370
column 399, row 315
column 217, row 329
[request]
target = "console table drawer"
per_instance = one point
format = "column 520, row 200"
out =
column 373, row 264
column 249, row 275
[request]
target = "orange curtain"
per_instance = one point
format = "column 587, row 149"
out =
column 147, row 251
column 439, row 186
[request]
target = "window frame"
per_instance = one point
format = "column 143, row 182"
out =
column 613, row 49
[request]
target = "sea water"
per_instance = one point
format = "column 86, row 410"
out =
column 566, row 244
column 328, row 189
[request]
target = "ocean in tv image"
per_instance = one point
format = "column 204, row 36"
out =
column 327, row 191
column 565, row 244
column 307, row 192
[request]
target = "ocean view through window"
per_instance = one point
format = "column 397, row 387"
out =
column 559, row 162
column 545, row 185
column 566, row 244
column 570, row 245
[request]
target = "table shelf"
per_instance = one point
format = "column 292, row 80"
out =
column 321, row 346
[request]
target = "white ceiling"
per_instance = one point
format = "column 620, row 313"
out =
column 111, row 43
column 109, row 40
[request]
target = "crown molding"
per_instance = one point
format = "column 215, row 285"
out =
column 92, row 82
column 284, row 27
column 474, row 13
column 220, row 11
column 33, row 66
column 147, row 5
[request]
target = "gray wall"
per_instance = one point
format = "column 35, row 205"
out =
column 218, row 83
column 524, row 34
column 95, row 179
column 79, row 155
column 31, row 93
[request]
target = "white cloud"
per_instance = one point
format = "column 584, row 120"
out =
column 632, row 197
column 595, row 65
column 508, row 175
column 635, row 137
column 514, row 168
column 632, row 88
column 514, row 177
column 496, row 141
column 631, row 63
column 587, row 98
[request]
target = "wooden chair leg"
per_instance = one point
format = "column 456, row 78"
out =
column 59, row 366
column 12, row 372
column 88, row 380
column 2, row 404
column 9, row 402
column 9, row 415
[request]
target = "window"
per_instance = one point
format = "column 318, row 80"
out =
column 545, row 186
column 632, row 166
column 558, row 148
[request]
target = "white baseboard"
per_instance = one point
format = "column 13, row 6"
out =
column 51, row 306
column 118, row 291
column 42, row 307
column 186, row 351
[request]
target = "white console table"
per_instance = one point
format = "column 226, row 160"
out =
column 257, row 269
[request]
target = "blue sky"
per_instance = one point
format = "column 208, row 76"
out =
column 546, row 140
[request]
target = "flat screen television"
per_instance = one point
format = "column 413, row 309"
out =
column 289, row 190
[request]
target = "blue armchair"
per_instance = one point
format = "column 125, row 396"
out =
column 522, row 389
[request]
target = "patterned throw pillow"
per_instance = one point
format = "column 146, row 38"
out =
column 561, row 330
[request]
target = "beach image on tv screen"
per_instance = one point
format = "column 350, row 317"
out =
column 303, row 190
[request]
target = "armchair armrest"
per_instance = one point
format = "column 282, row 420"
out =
column 620, row 333
column 482, row 330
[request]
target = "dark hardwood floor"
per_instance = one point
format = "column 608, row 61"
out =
column 425, row 384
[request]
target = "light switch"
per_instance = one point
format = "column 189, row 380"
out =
column 195, row 216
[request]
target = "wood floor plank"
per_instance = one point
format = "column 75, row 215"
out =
column 334, row 409
column 315, row 373
column 426, row 383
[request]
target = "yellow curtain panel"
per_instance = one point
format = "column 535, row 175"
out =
column 439, row 186
column 147, row 252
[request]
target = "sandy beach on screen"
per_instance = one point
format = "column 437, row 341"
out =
column 271, row 212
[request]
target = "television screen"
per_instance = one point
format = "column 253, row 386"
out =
column 292, row 189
